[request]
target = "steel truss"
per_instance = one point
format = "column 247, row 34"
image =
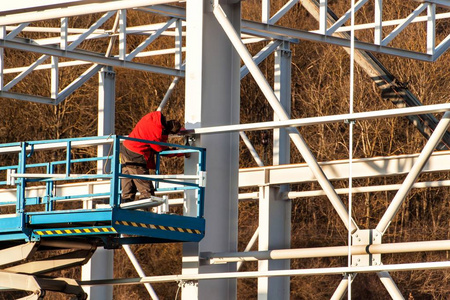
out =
column 63, row 50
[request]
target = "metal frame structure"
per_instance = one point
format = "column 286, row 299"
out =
column 203, row 31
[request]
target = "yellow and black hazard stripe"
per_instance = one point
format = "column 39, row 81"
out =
column 160, row 227
column 91, row 230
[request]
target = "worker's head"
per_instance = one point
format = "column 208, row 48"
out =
column 173, row 126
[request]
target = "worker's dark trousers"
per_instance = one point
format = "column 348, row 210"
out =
column 134, row 164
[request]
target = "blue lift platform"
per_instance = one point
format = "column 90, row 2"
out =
column 53, row 197
column 42, row 189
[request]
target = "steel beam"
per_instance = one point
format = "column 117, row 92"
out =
column 341, row 289
column 281, row 113
column 440, row 265
column 362, row 189
column 345, row 17
column 212, row 97
column 53, row 263
column 280, row 13
column 334, row 251
column 91, row 58
column 261, row 55
column 74, row 85
column 275, row 212
column 390, row 285
column 378, row 25
column 77, row 10
column 101, row 263
column 338, row 170
column 29, row 98
column 413, row 174
column 250, row 147
column 274, row 232
column 2, row 57
column 443, row 3
column 388, row 23
column 265, row 30
column 388, row 113
column 140, row 271
column 431, row 28
column 403, row 25
column 249, row 246
column 54, row 61
column 17, row 253
column 149, row 40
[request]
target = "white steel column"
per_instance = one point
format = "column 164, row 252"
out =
column 282, row 90
column 178, row 63
column 101, row 264
column 274, row 212
column 274, row 233
column 106, row 110
column 212, row 98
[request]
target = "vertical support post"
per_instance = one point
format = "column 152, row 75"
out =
column 21, row 185
column 431, row 28
column 282, row 90
column 212, row 98
column 101, row 264
column 115, row 168
column 274, row 233
column 49, row 205
column 265, row 11
column 106, row 111
column 274, row 212
column 323, row 16
column 20, row 205
column 2, row 58
column 178, row 63
column 68, row 157
column 122, row 34
column 54, row 86
column 64, row 33
column 378, row 35
column 178, row 44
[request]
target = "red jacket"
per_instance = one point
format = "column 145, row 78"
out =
column 148, row 128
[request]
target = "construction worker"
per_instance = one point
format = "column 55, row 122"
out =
column 137, row 158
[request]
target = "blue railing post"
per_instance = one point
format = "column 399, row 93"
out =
column 49, row 205
column 201, row 192
column 68, row 157
column 157, row 169
column 21, row 182
column 115, row 164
